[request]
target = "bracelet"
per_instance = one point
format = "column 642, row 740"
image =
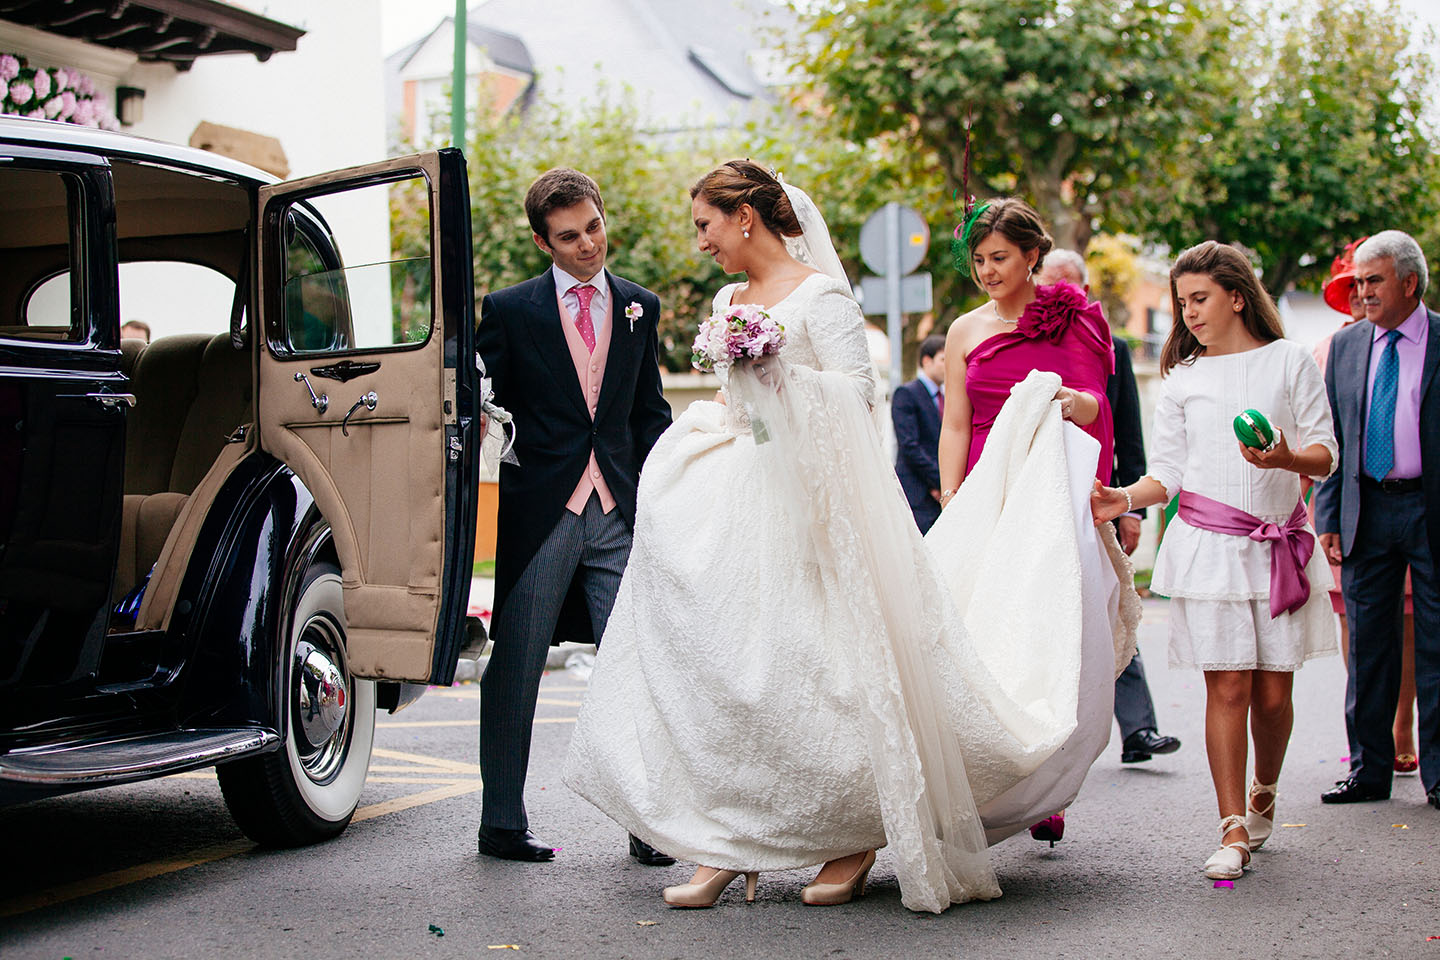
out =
column 946, row 494
column 1129, row 500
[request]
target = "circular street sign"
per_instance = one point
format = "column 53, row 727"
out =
column 914, row 237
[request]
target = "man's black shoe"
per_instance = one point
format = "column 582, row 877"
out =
column 1140, row 745
column 648, row 855
column 1351, row 790
column 513, row 845
column 1434, row 797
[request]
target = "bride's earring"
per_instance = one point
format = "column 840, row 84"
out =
column 745, row 234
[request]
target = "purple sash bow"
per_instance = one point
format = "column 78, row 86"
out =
column 1290, row 545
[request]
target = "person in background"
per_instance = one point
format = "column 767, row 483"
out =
column 135, row 330
column 1343, row 296
column 1134, row 707
column 916, row 410
column 1380, row 513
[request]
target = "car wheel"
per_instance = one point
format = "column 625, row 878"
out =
column 308, row 790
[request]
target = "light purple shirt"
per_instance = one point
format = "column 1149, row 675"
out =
column 1410, row 349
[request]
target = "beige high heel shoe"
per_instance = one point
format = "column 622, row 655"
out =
column 817, row 894
column 1259, row 824
column 1229, row 861
column 706, row 892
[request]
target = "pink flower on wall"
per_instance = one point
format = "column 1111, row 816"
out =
column 54, row 93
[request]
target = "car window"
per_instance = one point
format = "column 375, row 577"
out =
column 357, row 272
column 39, row 239
column 164, row 297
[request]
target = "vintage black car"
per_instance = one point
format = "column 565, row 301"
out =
column 227, row 549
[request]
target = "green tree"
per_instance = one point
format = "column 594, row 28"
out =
column 1071, row 102
column 1325, row 139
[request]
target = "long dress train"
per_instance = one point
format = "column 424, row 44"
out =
column 784, row 678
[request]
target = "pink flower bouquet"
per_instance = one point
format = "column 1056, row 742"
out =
column 740, row 331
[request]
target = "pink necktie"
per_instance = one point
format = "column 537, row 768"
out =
column 584, row 292
column 940, row 403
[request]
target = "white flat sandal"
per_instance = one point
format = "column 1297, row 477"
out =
column 1259, row 824
column 1229, row 861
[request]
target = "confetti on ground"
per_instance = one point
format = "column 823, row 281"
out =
column 646, row 923
column 1228, row 884
column 1401, row 826
column 1427, row 940
column 436, row 930
column 503, row 946
column 1345, row 759
column 1294, row 824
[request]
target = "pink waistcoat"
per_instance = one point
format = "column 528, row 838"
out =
column 590, row 369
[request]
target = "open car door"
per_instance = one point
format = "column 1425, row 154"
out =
column 366, row 379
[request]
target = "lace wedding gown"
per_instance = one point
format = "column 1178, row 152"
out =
column 783, row 679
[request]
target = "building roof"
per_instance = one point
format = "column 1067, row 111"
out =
column 505, row 49
column 164, row 31
column 684, row 63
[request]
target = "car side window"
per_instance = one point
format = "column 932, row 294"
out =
column 40, row 239
column 352, row 281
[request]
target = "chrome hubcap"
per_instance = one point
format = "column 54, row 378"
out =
column 322, row 698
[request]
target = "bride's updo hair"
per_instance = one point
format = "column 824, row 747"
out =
column 1016, row 221
column 733, row 184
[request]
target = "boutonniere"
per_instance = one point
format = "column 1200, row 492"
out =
column 634, row 312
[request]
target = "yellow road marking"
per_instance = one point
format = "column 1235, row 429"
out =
column 453, row 766
column 417, row 799
column 415, row 724
column 75, row 889
column 119, row 878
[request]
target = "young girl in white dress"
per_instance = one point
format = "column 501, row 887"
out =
column 1247, row 624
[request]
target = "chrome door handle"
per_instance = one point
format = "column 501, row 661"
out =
column 320, row 403
column 368, row 401
column 112, row 400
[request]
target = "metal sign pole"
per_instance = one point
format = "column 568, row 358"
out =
column 893, row 275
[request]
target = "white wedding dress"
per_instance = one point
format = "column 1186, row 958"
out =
column 785, row 678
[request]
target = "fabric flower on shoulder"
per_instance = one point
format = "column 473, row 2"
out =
column 1052, row 311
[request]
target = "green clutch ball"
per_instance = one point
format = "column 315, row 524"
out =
column 1254, row 430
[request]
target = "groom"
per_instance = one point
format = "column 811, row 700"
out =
column 573, row 355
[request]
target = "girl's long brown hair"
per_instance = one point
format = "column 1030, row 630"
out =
column 1229, row 268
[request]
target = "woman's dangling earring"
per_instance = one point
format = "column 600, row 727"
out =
column 1029, row 274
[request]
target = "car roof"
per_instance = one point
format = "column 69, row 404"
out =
column 111, row 143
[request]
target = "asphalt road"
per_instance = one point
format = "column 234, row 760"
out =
column 158, row 869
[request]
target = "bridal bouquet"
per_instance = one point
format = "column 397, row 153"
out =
column 743, row 330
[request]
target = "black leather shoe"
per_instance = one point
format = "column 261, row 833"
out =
column 648, row 855
column 1351, row 790
column 513, row 845
column 1142, row 744
column 1434, row 797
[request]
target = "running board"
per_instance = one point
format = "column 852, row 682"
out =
column 135, row 758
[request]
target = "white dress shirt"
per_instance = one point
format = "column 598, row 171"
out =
column 599, row 304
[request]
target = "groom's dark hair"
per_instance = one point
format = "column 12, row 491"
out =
column 554, row 190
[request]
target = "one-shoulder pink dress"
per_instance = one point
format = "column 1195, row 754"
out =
column 1062, row 332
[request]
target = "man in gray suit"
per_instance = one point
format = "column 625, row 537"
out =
column 1380, row 511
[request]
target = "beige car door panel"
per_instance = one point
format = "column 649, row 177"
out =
column 377, row 475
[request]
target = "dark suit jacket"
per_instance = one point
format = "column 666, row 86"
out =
column 1124, row 398
column 1347, row 375
column 528, row 362
column 917, row 439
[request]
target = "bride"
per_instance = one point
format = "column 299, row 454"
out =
column 783, row 681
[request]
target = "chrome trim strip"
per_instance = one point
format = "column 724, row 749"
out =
column 138, row 758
